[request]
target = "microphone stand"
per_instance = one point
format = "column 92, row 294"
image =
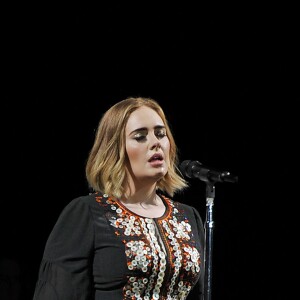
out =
column 208, row 250
column 194, row 169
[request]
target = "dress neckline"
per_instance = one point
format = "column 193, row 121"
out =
column 163, row 216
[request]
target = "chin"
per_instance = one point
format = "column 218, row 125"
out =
column 155, row 177
column 161, row 173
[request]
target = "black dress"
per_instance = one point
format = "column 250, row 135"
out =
column 98, row 249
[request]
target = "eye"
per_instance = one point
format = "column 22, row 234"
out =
column 139, row 136
column 160, row 133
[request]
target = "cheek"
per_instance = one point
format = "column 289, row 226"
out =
column 166, row 147
column 133, row 151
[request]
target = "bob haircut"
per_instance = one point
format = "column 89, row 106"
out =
column 105, row 167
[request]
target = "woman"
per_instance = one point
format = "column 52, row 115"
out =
column 127, row 239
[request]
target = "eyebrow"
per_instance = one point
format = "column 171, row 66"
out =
column 145, row 128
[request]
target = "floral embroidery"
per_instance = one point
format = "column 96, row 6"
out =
column 157, row 251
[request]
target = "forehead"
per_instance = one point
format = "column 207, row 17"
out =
column 143, row 117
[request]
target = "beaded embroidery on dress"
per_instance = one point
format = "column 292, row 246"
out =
column 162, row 258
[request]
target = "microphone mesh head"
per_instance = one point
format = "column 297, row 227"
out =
column 185, row 169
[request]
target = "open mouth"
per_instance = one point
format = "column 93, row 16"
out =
column 156, row 157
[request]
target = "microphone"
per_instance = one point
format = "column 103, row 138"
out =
column 194, row 169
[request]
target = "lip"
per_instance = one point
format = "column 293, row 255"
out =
column 156, row 163
column 156, row 160
column 156, row 157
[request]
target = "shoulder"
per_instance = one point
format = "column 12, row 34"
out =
column 78, row 213
column 183, row 208
column 81, row 201
column 80, row 205
column 84, row 200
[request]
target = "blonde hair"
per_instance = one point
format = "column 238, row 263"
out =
column 105, row 167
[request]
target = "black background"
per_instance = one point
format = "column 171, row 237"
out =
column 225, row 75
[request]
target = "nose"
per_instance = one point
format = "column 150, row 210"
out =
column 156, row 146
column 154, row 142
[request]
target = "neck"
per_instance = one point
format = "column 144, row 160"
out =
column 148, row 205
column 146, row 197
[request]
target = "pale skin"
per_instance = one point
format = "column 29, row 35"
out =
column 147, row 147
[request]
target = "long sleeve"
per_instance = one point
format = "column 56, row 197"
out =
column 66, row 269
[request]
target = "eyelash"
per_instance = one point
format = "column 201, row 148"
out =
column 140, row 137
